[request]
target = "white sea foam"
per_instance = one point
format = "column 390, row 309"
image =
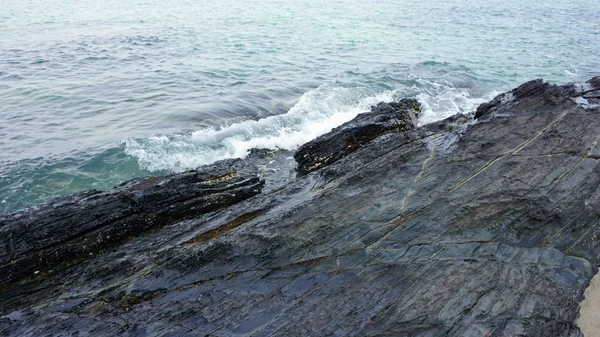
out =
column 441, row 101
column 316, row 113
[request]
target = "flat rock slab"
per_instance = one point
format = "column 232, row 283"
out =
column 485, row 227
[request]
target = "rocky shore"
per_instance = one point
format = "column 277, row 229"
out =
column 483, row 225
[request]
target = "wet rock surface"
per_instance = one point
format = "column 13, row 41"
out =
column 78, row 226
column 349, row 137
column 464, row 227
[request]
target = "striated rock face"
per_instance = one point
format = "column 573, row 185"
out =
column 74, row 228
column 349, row 137
column 484, row 227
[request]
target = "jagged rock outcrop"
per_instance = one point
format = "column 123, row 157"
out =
column 76, row 227
column 464, row 227
column 350, row 136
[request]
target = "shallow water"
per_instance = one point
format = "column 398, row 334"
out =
column 96, row 92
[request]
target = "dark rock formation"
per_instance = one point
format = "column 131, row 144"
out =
column 349, row 137
column 485, row 227
column 76, row 227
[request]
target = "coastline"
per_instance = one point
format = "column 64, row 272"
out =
column 469, row 226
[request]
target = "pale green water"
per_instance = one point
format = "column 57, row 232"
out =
column 96, row 92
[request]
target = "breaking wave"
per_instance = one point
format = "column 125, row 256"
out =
column 317, row 112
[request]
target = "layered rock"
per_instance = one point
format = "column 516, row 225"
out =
column 349, row 137
column 484, row 227
column 77, row 227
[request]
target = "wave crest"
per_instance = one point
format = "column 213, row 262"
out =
column 317, row 112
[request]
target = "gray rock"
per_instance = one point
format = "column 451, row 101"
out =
column 73, row 228
column 485, row 227
column 350, row 136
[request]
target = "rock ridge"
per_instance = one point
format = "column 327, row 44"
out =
column 350, row 136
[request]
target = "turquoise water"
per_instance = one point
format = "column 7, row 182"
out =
column 96, row 92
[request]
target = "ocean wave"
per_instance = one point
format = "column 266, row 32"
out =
column 440, row 102
column 317, row 112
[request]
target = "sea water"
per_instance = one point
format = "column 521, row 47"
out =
column 93, row 93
